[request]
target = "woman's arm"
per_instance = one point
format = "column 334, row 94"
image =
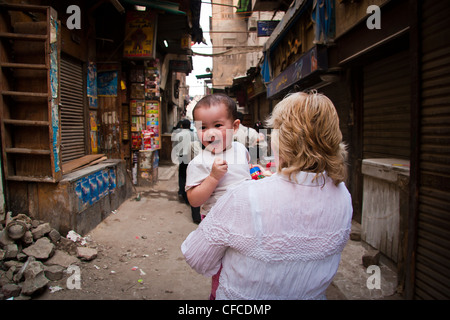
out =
column 202, row 256
column 205, row 247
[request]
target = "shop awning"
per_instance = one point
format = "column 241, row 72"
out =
column 244, row 6
column 286, row 23
column 312, row 61
column 204, row 76
column 167, row 6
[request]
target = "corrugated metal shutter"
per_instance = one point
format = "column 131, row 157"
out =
column 72, row 110
column 387, row 108
column 432, row 271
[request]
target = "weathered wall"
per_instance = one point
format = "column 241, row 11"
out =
column 349, row 13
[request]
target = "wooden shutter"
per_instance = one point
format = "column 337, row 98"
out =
column 387, row 108
column 432, row 265
column 72, row 110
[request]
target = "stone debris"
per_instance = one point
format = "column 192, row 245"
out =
column 32, row 254
column 372, row 257
column 61, row 258
column 41, row 249
column 41, row 230
column 86, row 254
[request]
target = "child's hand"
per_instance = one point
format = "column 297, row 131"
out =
column 219, row 168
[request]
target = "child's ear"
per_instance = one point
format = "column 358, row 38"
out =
column 236, row 125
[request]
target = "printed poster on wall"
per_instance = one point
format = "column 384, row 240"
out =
column 107, row 84
column 140, row 34
column 92, row 85
column 93, row 131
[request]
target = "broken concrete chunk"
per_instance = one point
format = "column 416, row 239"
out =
column 372, row 257
column 33, row 285
column 42, row 249
column 61, row 258
column 41, row 230
column 54, row 235
column 86, row 254
column 355, row 235
column 54, row 272
column 5, row 239
column 11, row 290
column 11, row 251
column 27, row 238
column 33, row 269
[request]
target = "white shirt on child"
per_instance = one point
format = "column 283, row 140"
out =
column 275, row 238
column 199, row 168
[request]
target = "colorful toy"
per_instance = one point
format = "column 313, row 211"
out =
column 255, row 172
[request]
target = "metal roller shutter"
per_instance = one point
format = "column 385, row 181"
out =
column 387, row 108
column 72, row 110
column 432, row 265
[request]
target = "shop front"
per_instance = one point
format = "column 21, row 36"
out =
column 84, row 109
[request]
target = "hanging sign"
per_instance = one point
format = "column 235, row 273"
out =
column 313, row 60
column 140, row 34
column 265, row 27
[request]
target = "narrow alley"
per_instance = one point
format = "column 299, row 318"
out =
column 91, row 92
column 139, row 255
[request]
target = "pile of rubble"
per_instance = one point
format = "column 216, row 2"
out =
column 32, row 254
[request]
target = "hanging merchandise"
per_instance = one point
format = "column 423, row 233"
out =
column 145, row 121
column 152, row 121
column 152, row 82
column 147, row 139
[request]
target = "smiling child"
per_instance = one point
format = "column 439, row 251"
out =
column 223, row 163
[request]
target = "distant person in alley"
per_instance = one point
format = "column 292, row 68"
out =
column 282, row 237
column 248, row 137
column 223, row 163
column 184, row 149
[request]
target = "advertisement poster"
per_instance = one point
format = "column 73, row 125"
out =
column 107, row 84
column 93, row 131
column 140, row 34
column 91, row 89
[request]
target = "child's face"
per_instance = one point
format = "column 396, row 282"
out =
column 214, row 127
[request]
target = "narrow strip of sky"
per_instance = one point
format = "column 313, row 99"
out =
column 200, row 63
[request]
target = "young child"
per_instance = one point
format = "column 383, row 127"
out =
column 223, row 163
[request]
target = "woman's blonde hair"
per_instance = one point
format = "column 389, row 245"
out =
column 307, row 136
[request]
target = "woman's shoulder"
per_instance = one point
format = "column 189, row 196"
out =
column 262, row 186
column 342, row 188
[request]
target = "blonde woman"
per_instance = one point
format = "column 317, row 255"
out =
column 282, row 237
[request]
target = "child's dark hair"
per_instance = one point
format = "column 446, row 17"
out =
column 215, row 99
column 185, row 124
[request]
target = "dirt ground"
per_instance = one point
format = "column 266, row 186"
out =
column 139, row 254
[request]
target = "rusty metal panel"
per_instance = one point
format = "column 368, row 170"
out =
column 432, row 271
column 72, row 110
column 386, row 115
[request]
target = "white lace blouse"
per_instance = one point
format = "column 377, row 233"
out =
column 275, row 238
